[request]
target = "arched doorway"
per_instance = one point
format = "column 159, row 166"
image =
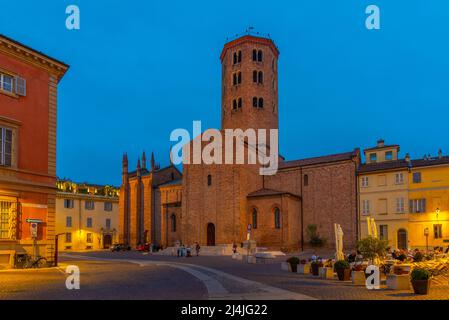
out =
column 107, row 241
column 402, row 239
column 210, row 234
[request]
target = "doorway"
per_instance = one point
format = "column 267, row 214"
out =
column 402, row 239
column 210, row 234
column 107, row 241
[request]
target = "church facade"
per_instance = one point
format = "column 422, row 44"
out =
column 215, row 204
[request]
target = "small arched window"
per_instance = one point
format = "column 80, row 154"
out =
column 306, row 180
column 209, row 180
column 260, row 102
column 260, row 77
column 255, row 102
column 277, row 218
column 173, row 222
column 239, row 59
column 239, row 105
column 254, row 55
column 234, row 79
column 234, row 104
column 239, row 78
column 255, row 76
column 254, row 218
column 260, row 56
column 235, row 58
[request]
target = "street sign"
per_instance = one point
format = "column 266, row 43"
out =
column 33, row 229
column 34, row 220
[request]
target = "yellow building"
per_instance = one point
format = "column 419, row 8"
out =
column 403, row 196
column 86, row 216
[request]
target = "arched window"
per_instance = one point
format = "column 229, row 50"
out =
column 260, row 102
column 255, row 76
column 239, row 78
column 254, row 55
column 260, row 77
column 173, row 222
column 254, row 218
column 235, row 58
column 255, row 102
column 239, row 59
column 209, row 180
column 306, row 180
column 234, row 79
column 239, row 103
column 234, row 104
column 277, row 218
column 260, row 56
column 172, row 175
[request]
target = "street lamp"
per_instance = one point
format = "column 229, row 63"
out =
column 426, row 234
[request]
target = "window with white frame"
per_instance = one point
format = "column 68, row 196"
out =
column 383, row 232
column 69, row 203
column 417, row 206
column 400, row 205
column 399, row 178
column 365, row 206
column 365, row 182
column 438, row 231
column 5, row 147
column 6, row 83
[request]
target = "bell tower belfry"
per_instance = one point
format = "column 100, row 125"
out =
column 249, row 83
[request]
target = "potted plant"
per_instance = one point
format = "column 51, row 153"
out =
column 315, row 240
column 316, row 265
column 420, row 280
column 343, row 270
column 293, row 261
column 372, row 248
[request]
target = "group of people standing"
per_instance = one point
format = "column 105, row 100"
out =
column 186, row 251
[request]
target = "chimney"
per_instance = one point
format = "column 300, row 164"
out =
column 380, row 143
column 440, row 154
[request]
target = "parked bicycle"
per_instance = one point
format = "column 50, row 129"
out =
column 27, row 261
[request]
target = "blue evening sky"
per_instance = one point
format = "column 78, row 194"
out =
column 140, row 69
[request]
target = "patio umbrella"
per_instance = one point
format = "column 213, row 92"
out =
column 339, row 254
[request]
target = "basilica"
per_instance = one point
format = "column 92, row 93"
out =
column 216, row 204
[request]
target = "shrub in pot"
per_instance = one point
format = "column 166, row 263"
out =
column 343, row 270
column 420, row 280
column 315, row 266
column 293, row 261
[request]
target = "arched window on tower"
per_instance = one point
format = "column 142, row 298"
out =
column 306, row 180
column 209, row 180
column 260, row 77
column 277, row 218
column 173, row 222
column 260, row 56
column 254, row 218
column 260, row 102
column 255, row 76
column 234, row 79
column 239, row 57
column 255, row 102
column 239, row 78
column 254, row 55
column 234, row 104
column 239, row 104
column 234, row 61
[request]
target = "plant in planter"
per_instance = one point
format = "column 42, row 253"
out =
column 372, row 248
column 420, row 280
column 293, row 261
column 343, row 270
column 315, row 266
column 315, row 240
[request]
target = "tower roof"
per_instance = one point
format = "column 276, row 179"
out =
column 250, row 39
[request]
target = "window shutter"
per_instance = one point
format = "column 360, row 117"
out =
column 411, row 206
column 21, row 86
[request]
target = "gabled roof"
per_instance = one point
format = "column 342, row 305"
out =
column 269, row 192
column 319, row 160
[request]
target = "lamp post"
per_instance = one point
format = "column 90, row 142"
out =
column 426, row 234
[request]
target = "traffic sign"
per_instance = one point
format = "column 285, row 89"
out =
column 34, row 220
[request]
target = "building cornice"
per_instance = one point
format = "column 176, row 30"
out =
column 33, row 57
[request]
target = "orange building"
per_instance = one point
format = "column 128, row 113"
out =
column 28, row 93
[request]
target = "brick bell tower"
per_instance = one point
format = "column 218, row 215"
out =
column 249, row 84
